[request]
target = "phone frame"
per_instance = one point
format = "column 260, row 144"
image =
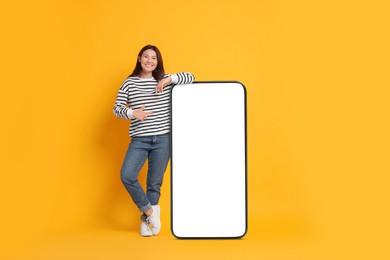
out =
column 245, row 159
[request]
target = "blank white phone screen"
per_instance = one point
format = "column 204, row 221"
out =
column 208, row 163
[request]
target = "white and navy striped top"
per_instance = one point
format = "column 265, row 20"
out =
column 135, row 92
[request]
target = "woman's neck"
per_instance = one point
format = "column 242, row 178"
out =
column 146, row 75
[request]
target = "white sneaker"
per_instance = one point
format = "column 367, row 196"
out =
column 154, row 219
column 145, row 230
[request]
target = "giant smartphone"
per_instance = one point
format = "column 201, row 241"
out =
column 209, row 160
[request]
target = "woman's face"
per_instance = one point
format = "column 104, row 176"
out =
column 148, row 61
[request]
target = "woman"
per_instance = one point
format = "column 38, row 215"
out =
column 144, row 98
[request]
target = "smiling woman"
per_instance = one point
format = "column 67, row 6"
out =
column 144, row 98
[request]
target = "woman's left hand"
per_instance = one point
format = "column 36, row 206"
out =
column 162, row 83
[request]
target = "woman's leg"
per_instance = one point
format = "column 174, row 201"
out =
column 134, row 160
column 157, row 163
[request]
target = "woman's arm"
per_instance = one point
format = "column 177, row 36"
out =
column 120, row 109
column 178, row 78
column 182, row 78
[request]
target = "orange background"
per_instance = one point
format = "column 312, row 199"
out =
column 316, row 74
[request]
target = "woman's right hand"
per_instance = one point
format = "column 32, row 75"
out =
column 141, row 114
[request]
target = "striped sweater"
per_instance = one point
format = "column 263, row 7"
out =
column 135, row 92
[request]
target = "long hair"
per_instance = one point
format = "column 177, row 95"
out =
column 159, row 72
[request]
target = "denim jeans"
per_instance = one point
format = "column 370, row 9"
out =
column 156, row 149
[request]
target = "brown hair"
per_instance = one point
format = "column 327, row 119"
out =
column 158, row 72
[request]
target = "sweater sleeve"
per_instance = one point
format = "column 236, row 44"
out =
column 120, row 109
column 182, row 78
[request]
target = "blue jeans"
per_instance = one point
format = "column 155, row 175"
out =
column 156, row 149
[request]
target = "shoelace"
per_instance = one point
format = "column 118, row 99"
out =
column 147, row 225
column 148, row 219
